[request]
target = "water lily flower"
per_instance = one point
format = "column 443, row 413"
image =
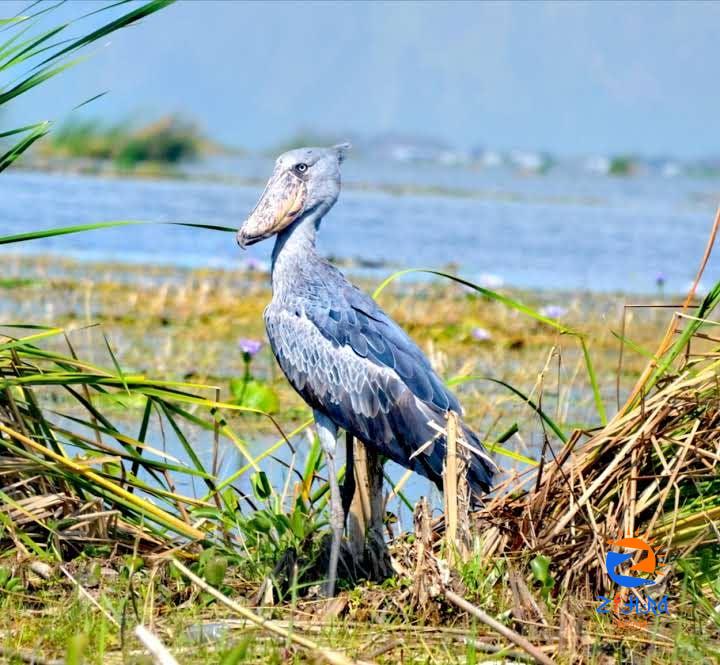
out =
column 480, row 334
column 553, row 311
column 489, row 281
column 250, row 347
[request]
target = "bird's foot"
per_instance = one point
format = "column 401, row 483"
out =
column 347, row 571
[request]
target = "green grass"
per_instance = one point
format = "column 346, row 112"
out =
column 50, row 617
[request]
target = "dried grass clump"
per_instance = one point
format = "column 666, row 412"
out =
column 650, row 472
column 646, row 473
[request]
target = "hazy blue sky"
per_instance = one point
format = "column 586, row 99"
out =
column 568, row 77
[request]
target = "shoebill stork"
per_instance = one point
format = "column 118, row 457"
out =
column 354, row 366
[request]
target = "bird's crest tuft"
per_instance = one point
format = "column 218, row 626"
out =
column 341, row 149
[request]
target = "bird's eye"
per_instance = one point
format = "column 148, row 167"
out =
column 301, row 168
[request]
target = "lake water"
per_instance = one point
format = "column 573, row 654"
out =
column 555, row 231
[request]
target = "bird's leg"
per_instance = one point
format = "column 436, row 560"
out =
column 327, row 433
column 348, row 487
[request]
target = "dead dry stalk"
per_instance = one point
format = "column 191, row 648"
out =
column 331, row 656
column 450, row 484
column 456, row 492
column 649, row 472
column 366, row 516
column 152, row 643
column 494, row 624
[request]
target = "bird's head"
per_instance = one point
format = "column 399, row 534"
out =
column 303, row 181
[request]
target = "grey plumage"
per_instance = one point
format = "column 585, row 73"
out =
column 341, row 352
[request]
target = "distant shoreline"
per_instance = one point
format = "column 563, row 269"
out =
column 105, row 169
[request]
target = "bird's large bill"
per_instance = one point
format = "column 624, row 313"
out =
column 280, row 204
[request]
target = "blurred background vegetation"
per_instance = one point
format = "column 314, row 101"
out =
column 168, row 140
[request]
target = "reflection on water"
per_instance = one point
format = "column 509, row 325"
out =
column 557, row 231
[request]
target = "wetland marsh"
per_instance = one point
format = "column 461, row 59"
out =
column 162, row 495
column 167, row 304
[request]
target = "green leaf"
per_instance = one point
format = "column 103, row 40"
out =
column 298, row 523
column 21, row 146
column 23, row 48
column 130, row 401
column 80, row 228
column 634, row 346
column 238, row 653
column 21, row 130
column 33, row 80
column 254, row 394
column 230, row 499
column 599, row 406
column 261, row 486
column 540, row 567
column 208, row 513
column 118, row 369
column 493, row 295
column 215, row 569
column 121, row 22
column 260, row 522
column 312, row 464
column 76, row 647
column 547, row 419
column 133, row 563
column 282, row 523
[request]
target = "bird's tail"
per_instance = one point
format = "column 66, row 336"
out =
column 429, row 458
column 481, row 468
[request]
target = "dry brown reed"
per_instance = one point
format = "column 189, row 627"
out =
column 646, row 473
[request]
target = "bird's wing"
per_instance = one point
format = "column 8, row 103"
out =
column 353, row 319
column 363, row 397
column 350, row 360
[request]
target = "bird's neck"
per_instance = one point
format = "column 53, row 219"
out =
column 294, row 250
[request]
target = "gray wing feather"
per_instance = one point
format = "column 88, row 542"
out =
column 352, row 318
column 349, row 360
